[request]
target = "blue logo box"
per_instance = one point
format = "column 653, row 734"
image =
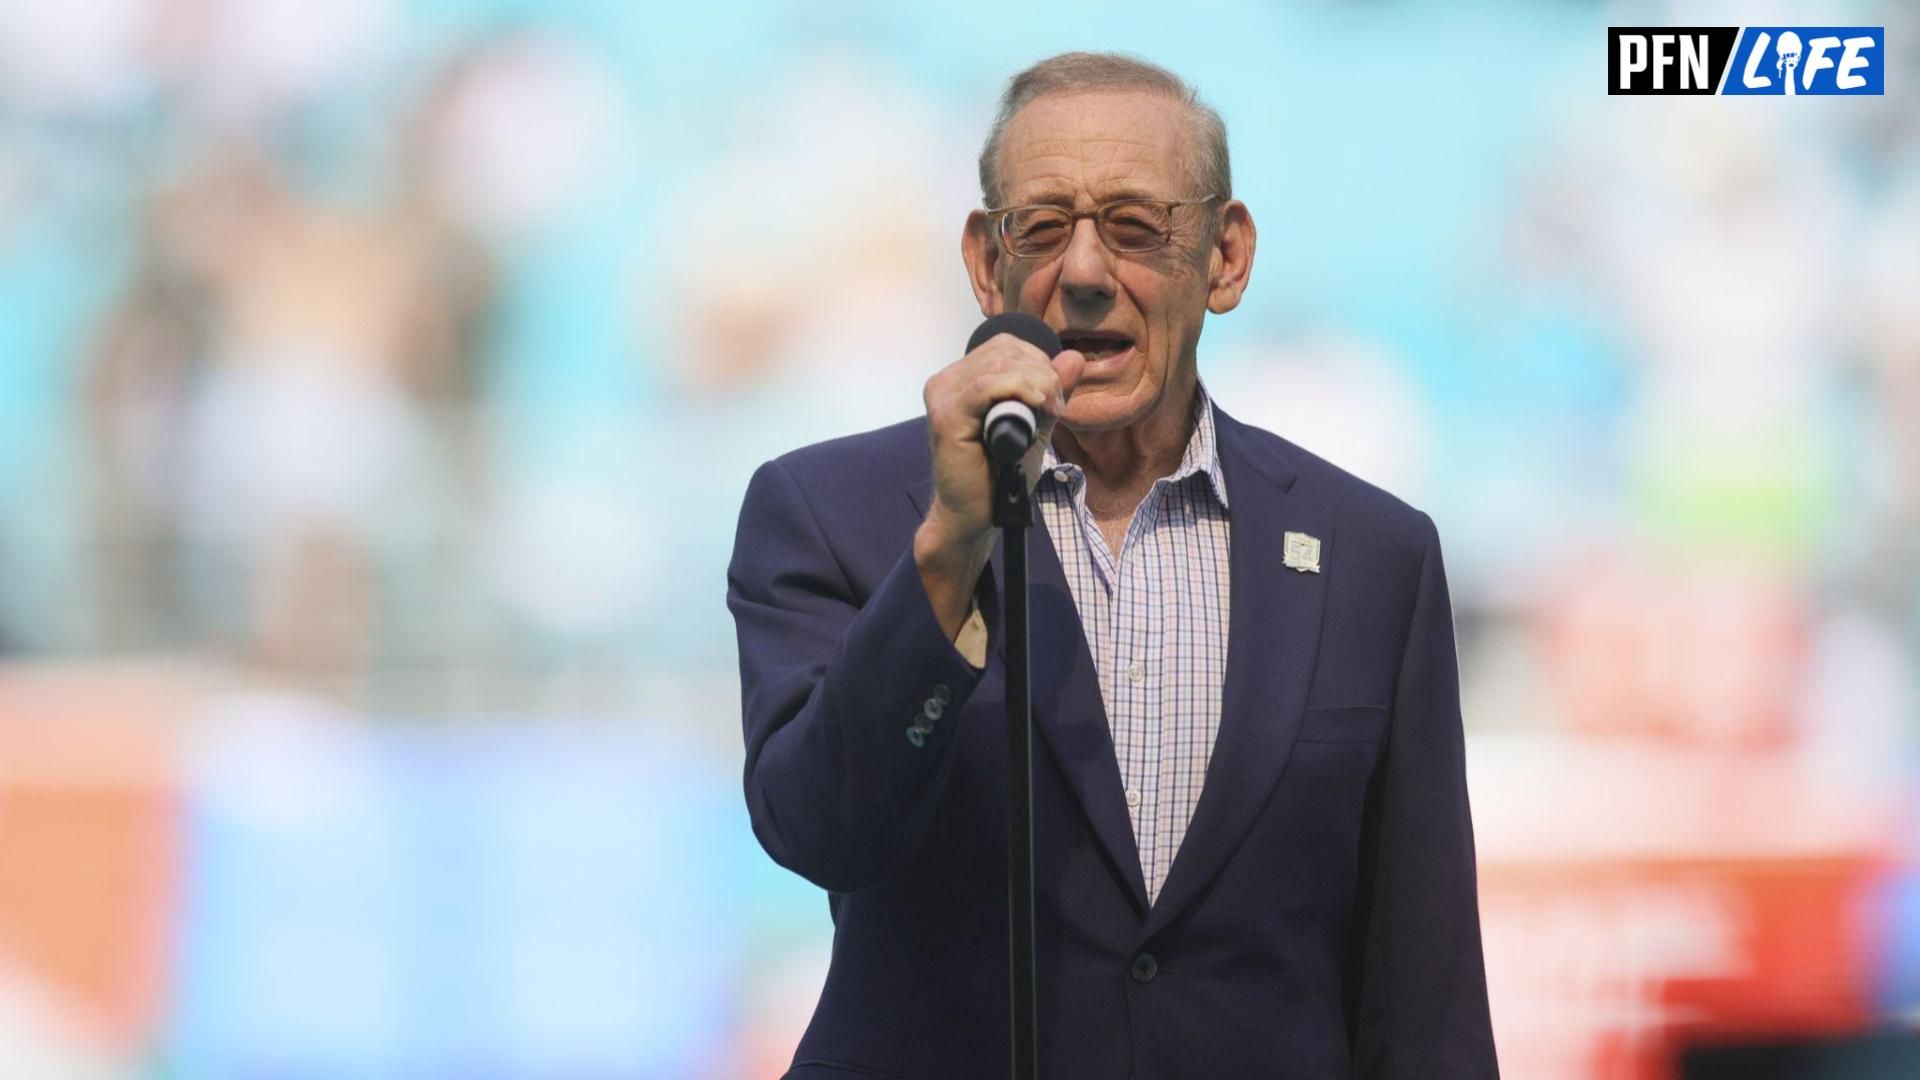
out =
column 1796, row 60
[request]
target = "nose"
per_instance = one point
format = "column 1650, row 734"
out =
column 1086, row 274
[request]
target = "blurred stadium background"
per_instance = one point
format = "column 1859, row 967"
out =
column 379, row 380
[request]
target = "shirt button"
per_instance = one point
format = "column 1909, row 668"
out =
column 1145, row 967
column 1062, row 475
column 1135, row 673
column 1133, row 796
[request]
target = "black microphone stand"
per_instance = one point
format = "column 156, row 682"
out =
column 1013, row 513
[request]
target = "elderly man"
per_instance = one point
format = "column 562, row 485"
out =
column 1253, row 850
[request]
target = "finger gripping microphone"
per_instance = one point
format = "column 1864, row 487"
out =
column 1008, row 428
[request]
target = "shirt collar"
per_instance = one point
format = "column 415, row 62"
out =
column 1202, row 453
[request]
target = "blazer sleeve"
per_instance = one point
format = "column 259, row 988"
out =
column 1423, row 995
column 837, row 788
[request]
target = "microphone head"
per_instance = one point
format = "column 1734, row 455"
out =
column 1027, row 328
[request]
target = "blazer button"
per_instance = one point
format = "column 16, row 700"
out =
column 941, row 694
column 933, row 709
column 1145, row 968
column 916, row 737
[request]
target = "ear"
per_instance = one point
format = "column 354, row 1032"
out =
column 1230, row 263
column 982, row 255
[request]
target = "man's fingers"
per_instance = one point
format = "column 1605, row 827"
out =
column 967, row 408
column 1004, row 368
column 1008, row 385
column 1004, row 350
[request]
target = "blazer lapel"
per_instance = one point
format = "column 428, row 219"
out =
column 1067, row 707
column 1273, row 637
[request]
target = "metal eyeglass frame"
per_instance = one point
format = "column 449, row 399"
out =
column 1003, row 215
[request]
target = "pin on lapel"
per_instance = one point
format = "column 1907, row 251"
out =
column 1302, row 552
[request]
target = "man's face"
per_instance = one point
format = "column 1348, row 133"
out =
column 1137, row 316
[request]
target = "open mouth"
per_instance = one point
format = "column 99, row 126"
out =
column 1096, row 345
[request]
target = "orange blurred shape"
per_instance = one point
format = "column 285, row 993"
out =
column 90, row 840
column 1602, row 971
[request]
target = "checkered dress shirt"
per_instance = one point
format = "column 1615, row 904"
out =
column 1155, row 618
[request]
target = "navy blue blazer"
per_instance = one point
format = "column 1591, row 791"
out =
column 1320, row 918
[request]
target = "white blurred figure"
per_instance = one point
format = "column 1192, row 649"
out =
column 72, row 57
column 524, row 132
column 573, row 558
column 245, row 63
column 813, row 290
column 312, row 435
column 521, row 130
column 812, row 265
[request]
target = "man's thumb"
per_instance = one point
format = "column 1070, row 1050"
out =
column 1068, row 364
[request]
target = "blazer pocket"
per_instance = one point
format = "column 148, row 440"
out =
column 1344, row 723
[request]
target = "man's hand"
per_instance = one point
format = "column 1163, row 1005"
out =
column 956, row 538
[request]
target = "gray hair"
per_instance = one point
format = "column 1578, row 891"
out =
column 1081, row 72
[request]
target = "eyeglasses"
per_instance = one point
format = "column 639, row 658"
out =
column 1125, row 225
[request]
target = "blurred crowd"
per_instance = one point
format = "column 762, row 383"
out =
column 407, row 362
column 260, row 256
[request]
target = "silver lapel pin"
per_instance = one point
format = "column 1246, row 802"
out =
column 1302, row 552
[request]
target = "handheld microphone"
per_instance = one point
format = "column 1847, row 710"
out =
column 1009, row 426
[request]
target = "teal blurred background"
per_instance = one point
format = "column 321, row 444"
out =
column 379, row 381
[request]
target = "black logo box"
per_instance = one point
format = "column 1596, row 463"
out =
column 1718, row 43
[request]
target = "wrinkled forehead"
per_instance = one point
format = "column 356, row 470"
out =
column 1097, row 145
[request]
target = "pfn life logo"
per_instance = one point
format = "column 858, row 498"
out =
column 1785, row 60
